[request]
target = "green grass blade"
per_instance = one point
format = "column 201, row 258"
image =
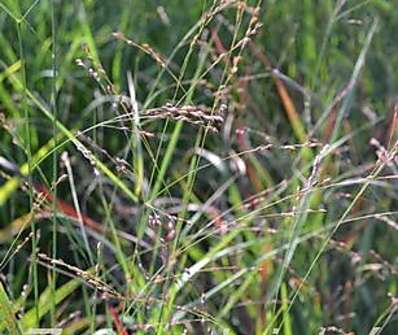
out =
column 7, row 317
column 45, row 301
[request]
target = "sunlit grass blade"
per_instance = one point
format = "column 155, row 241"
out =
column 46, row 299
column 7, row 317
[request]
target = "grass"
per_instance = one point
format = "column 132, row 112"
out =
column 198, row 167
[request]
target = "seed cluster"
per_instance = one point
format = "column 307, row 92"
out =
column 197, row 115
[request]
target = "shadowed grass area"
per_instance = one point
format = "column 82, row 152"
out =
column 198, row 167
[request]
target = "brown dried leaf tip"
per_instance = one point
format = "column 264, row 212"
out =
column 196, row 115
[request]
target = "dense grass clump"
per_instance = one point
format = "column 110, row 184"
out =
column 198, row 167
